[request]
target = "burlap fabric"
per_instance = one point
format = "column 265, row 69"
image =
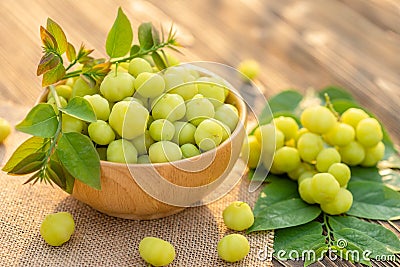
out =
column 101, row 240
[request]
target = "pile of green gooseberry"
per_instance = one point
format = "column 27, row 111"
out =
column 319, row 154
column 146, row 116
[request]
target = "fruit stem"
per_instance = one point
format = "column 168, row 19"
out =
column 71, row 64
column 55, row 95
column 54, row 139
column 328, row 230
column 330, row 106
column 144, row 52
column 76, row 73
column 72, row 74
column 116, row 69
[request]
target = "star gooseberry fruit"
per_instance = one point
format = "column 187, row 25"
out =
column 57, row 228
column 156, row 251
column 233, row 247
column 5, row 129
column 238, row 216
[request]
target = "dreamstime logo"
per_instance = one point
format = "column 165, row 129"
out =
column 342, row 250
column 265, row 254
column 341, row 243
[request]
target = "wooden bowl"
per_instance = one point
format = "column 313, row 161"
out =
column 151, row 191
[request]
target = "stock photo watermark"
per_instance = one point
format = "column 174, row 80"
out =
column 333, row 253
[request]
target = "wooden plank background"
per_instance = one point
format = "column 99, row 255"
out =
column 299, row 43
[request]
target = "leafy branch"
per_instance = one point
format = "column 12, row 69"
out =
column 151, row 44
column 53, row 155
column 118, row 46
column 45, row 173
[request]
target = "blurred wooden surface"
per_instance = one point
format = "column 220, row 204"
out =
column 299, row 43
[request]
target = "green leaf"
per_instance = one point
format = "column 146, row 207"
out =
column 53, row 177
column 48, row 62
column 80, row 108
column 48, row 39
column 58, row 35
column 35, row 177
column 334, row 93
column 341, row 105
column 32, row 145
column 83, row 55
column 41, row 121
column 71, row 52
column 365, row 174
column 284, row 214
column 299, row 242
column 145, row 35
column 59, row 175
column 372, row 200
column 286, row 101
column 156, row 35
column 69, row 181
column 158, row 60
column 79, row 158
column 280, row 206
column 120, row 37
column 367, row 236
column 390, row 149
column 29, row 164
column 54, row 75
column 134, row 50
column 278, row 189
